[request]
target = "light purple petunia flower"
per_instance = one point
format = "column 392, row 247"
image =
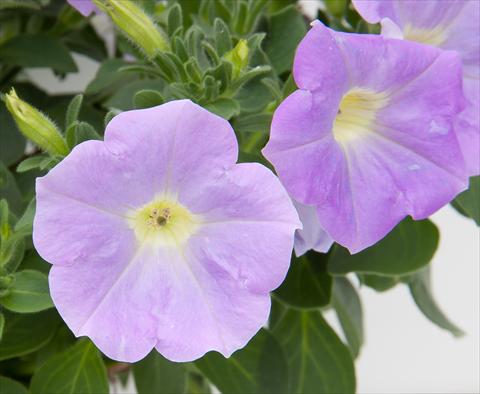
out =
column 447, row 24
column 368, row 137
column 158, row 239
column 312, row 235
column 85, row 7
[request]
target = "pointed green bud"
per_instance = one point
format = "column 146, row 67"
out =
column 136, row 24
column 5, row 229
column 238, row 56
column 36, row 126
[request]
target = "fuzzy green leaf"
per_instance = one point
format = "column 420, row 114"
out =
column 28, row 293
column 79, row 369
column 37, row 50
column 407, row 248
column 469, row 200
column 318, row 360
column 421, row 290
column 27, row 333
column 260, row 367
column 10, row 386
column 287, row 28
column 308, row 284
column 155, row 374
column 349, row 312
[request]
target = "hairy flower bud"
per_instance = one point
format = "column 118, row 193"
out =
column 35, row 125
column 136, row 24
column 238, row 56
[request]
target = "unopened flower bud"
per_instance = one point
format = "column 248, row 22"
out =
column 238, row 56
column 35, row 125
column 136, row 24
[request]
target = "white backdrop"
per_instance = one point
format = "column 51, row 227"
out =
column 404, row 352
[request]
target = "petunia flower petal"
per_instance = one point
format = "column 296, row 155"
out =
column 312, row 235
column 394, row 149
column 207, row 309
column 246, row 227
column 181, row 150
column 159, row 239
column 85, row 7
column 450, row 25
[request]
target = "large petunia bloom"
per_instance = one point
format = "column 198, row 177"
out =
column 158, row 239
column 368, row 137
column 451, row 25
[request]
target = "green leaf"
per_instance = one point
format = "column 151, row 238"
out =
column 9, row 190
column 348, row 307
column 253, row 123
column 155, row 374
column 79, row 132
column 37, row 50
column 254, row 96
column 30, row 163
column 79, row 369
column 12, row 252
column 108, row 78
column 224, row 107
column 33, row 261
column 289, row 87
column 469, row 200
column 85, row 132
column 122, row 98
column 308, row 284
column 197, row 384
column 174, row 19
column 318, row 360
column 10, row 386
column 407, row 248
column 223, row 40
column 19, row 4
column 25, row 223
column 421, row 290
column 336, row 7
column 29, row 293
column 287, row 28
column 2, row 324
column 272, row 375
column 12, row 146
column 147, row 98
column 378, row 282
column 249, row 370
column 110, row 115
column 73, row 110
column 27, row 333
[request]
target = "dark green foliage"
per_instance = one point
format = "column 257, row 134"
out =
column 156, row 374
column 409, row 247
column 261, row 367
column 318, row 360
column 468, row 202
column 308, row 284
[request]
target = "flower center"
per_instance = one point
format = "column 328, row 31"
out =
column 435, row 37
column 356, row 114
column 163, row 222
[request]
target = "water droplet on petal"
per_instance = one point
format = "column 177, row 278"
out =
column 436, row 128
column 413, row 167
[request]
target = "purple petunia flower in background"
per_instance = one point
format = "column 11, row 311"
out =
column 368, row 138
column 85, row 7
column 158, row 239
column 450, row 25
